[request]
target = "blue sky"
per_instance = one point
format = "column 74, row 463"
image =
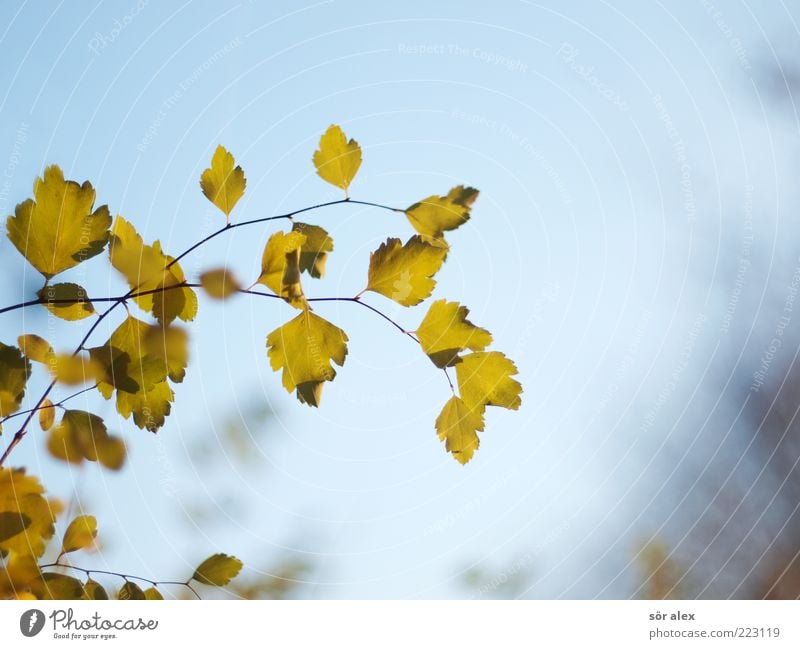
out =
column 613, row 143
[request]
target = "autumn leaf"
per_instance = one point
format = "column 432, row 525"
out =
column 47, row 415
column 223, row 183
column 53, row 298
column 22, row 500
column 52, row 585
column 81, row 435
column 337, row 160
column 131, row 591
column 435, row 215
column 152, row 593
column 280, row 266
column 219, row 283
column 80, row 534
column 93, row 590
column 404, row 273
column 14, row 372
column 57, row 229
column 458, row 426
column 484, row 379
column 315, row 249
column 445, row 332
column 35, row 347
column 217, row 570
column 304, row 349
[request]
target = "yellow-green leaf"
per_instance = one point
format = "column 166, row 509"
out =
column 337, row 160
column 435, row 215
column 315, row 249
column 57, row 229
column 159, row 289
column 35, row 347
column 12, row 523
column 152, row 593
column 21, row 495
column 80, row 534
column 149, row 409
column 404, row 273
column 73, row 370
column 14, row 372
column 484, row 379
column 219, row 283
column 304, row 349
column 94, row 590
column 66, row 300
column 458, row 426
column 223, row 183
column 130, row 591
column 81, row 435
column 217, row 570
column 280, row 266
column 47, row 415
column 52, row 585
column 445, row 332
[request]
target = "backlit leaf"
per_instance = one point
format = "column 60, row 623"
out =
column 52, row 585
column 315, row 249
column 280, row 266
column 80, row 534
column 445, row 332
column 219, row 283
column 484, row 379
column 304, row 349
column 57, row 229
column 14, row 372
column 81, row 435
column 73, row 370
column 435, row 215
column 458, row 426
column 47, row 415
column 337, row 160
column 217, row 570
column 152, row 593
column 11, row 524
column 35, row 347
column 130, row 591
column 404, row 273
column 223, row 183
column 93, row 590
column 67, row 301
column 22, row 495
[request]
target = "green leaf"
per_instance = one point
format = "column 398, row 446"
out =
column 93, row 590
column 445, row 332
column 80, row 534
column 12, row 523
column 57, row 229
column 458, row 427
column 304, row 349
column 14, row 372
column 315, row 249
column 484, row 379
column 219, row 283
column 52, row 585
column 131, row 591
column 217, row 570
column 404, row 273
column 223, row 183
column 152, row 593
column 337, row 160
column 55, row 294
column 435, row 215
column 280, row 267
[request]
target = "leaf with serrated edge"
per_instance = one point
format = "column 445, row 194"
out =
column 445, row 332
column 404, row 273
column 458, row 426
column 337, row 160
column 217, row 570
column 223, row 183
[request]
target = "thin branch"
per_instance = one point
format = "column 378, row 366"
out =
column 59, row 404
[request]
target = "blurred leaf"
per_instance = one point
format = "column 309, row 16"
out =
column 81, row 435
column 219, row 283
column 130, row 591
column 14, row 373
column 35, row 347
column 152, row 593
column 22, row 495
column 93, row 590
column 52, row 585
column 12, row 523
column 217, row 570
column 80, row 534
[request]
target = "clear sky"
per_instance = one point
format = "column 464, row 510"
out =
column 611, row 143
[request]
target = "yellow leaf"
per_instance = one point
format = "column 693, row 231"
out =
column 435, row 215
column 458, row 427
column 130, row 591
column 67, row 301
column 35, row 348
column 12, row 523
column 403, row 273
column 81, row 435
column 217, row 570
column 52, row 585
column 304, row 348
column 280, row 266
column 219, row 283
column 73, row 370
column 152, row 593
column 484, row 379
column 14, row 372
column 57, row 229
column 445, row 332
column 171, row 346
column 80, row 534
column 149, row 409
column 145, row 269
column 47, row 415
column 93, row 590
column 17, row 573
column 315, row 249
column 21, row 498
column 223, row 183
column 337, row 160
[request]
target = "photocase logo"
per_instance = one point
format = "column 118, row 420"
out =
column 31, row 622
